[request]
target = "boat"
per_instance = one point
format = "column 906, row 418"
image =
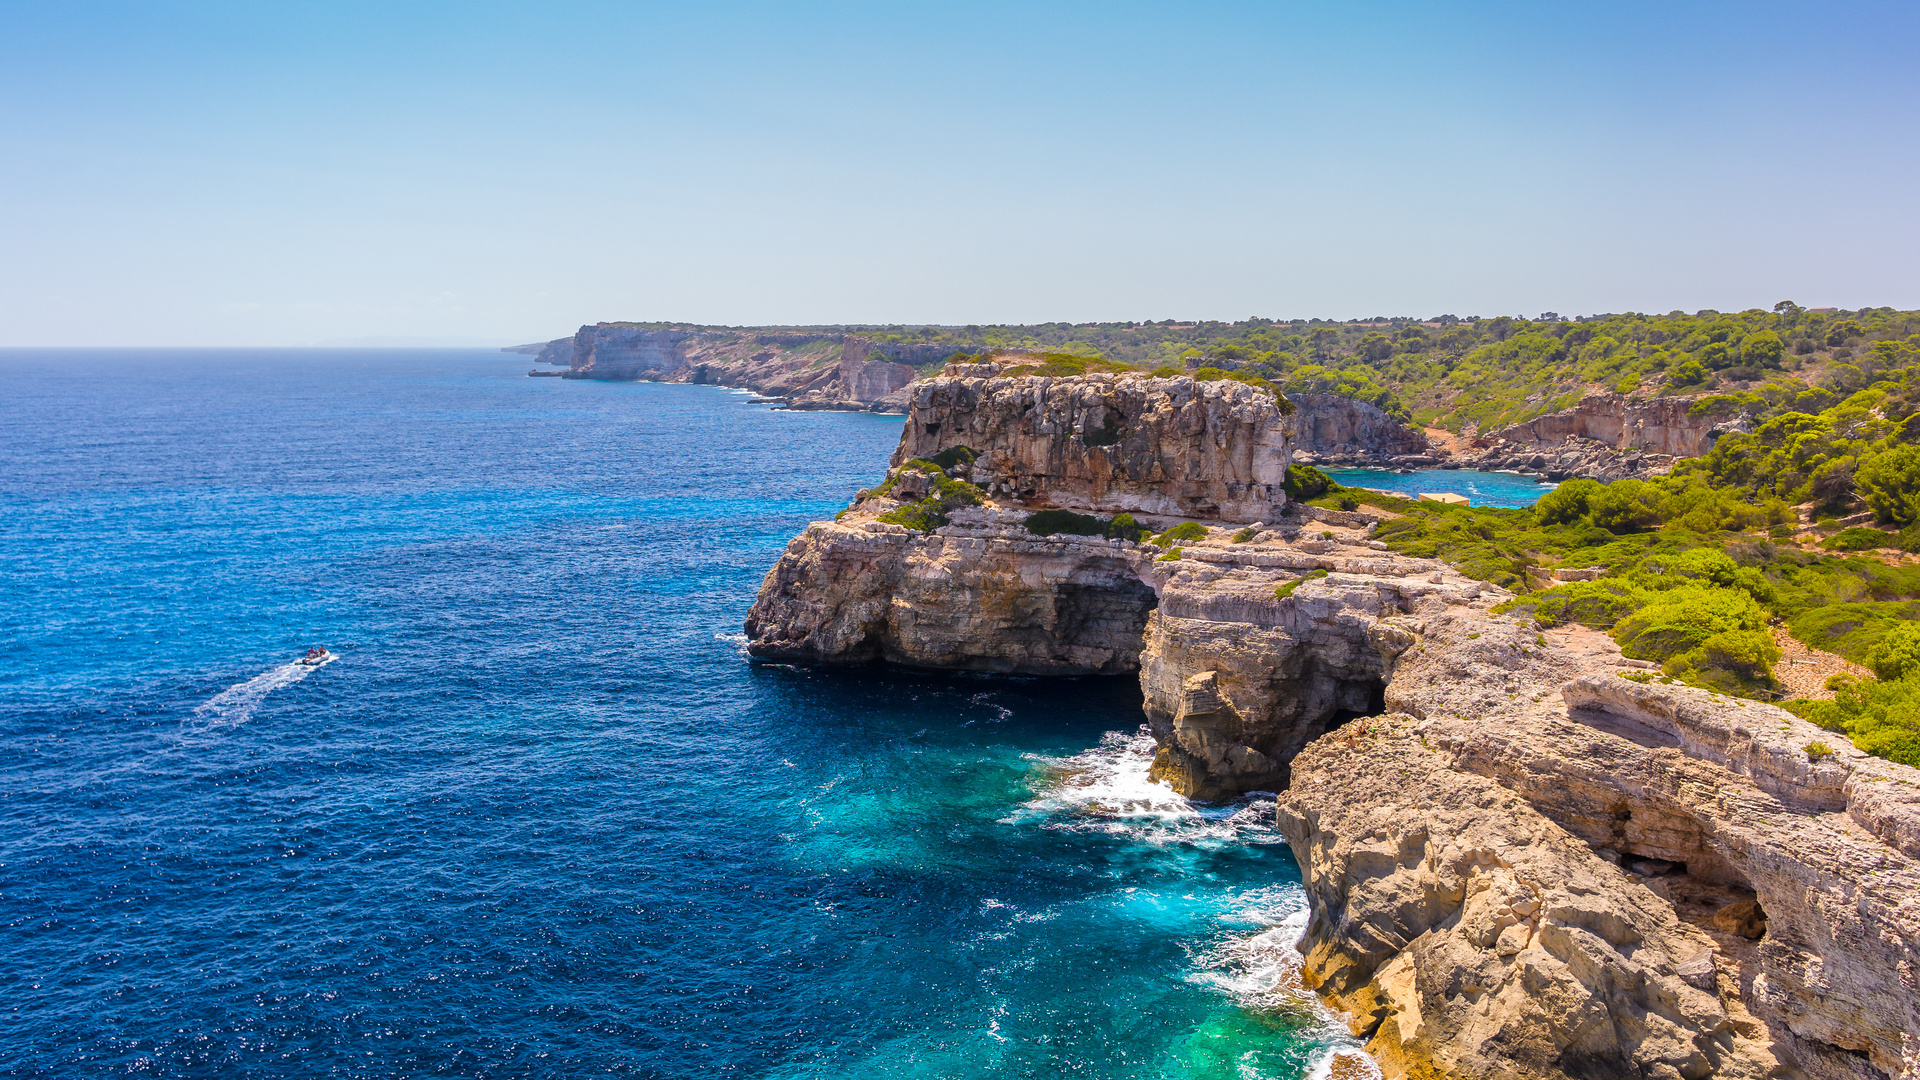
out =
column 315, row 656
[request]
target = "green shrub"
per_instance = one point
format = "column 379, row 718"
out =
column 1859, row 538
column 1625, row 506
column 1123, row 527
column 1306, row 482
column 931, row 512
column 1851, row 629
column 1566, row 503
column 1187, row 530
column 925, row 515
column 1052, row 522
column 1348, row 502
column 1818, row 751
column 1172, row 555
column 1890, row 484
column 1598, row 604
column 1167, row 371
column 1680, row 620
column 1881, row 718
column 1281, row 592
column 1734, row 661
column 1897, row 656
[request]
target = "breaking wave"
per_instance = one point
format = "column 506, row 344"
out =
column 1106, row 789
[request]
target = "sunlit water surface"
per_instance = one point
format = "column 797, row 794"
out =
column 1480, row 488
column 541, row 817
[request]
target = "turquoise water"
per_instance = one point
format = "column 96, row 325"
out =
column 541, row 817
column 1480, row 488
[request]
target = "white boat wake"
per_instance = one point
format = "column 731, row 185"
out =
column 235, row 704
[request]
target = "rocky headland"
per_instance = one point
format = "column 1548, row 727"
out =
column 802, row 369
column 1520, row 861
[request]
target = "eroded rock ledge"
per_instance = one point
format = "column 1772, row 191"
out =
column 1520, row 863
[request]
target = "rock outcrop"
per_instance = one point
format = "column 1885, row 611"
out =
column 1332, row 429
column 981, row 594
column 1520, row 862
column 1129, row 443
column 1607, row 437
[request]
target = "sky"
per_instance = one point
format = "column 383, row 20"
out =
column 494, row 173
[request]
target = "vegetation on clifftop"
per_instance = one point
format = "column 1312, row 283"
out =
column 1690, row 579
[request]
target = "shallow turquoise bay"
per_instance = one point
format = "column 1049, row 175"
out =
column 541, row 817
column 1480, row 488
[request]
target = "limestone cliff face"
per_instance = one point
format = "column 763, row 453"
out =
column 1523, row 873
column 1661, row 425
column 1171, row 447
column 809, row 370
column 1607, row 437
column 1520, row 864
column 982, row 594
column 1332, row 429
column 627, row 352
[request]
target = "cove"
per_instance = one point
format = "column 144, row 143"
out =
column 542, row 817
column 1480, row 488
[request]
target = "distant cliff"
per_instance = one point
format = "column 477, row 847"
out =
column 1608, row 437
column 810, row 370
column 1338, row 430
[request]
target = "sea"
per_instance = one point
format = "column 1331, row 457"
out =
column 539, row 815
column 1480, row 488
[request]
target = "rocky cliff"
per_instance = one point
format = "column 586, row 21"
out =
column 1110, row 443
column 1520, row 862
column 808, row 370
column 1335, row 430
column 1607, row 437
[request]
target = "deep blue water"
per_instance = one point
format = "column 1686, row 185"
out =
column 541, row 817
column 1480, row 488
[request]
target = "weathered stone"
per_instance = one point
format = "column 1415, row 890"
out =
column 1606, row 437
column 1168, row 447
column 1335, row 429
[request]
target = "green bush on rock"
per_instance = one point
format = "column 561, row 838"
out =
column 1281, row 592
column 1054, row 522
column 930, row 513
column 1187, row 530
column 1597, row 604
column 1306, row 482
column 1676, row 621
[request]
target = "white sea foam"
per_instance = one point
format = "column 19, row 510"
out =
column 1106, row 789
column 1106, row 784
column 737, row 640
column 1261, row 971
column 235, row 704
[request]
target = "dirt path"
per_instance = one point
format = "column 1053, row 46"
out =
column 1446, row 440
column 1804, row 669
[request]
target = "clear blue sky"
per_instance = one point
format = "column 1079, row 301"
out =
column 269, row 173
